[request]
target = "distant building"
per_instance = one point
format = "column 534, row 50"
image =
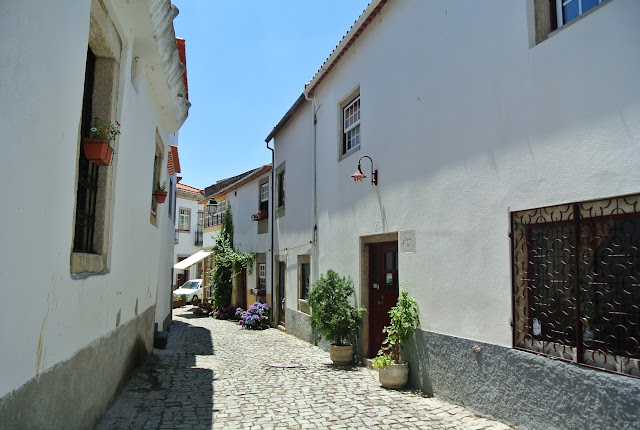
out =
column 189, row 231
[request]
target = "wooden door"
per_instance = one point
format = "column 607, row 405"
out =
column 383, row 290
column 281, row 293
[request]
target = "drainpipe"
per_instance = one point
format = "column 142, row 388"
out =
column 272, row 216
column 314, row 233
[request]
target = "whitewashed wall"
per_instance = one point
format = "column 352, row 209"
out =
column 294, row 231
column 244, row 202
column 465, row 122
column 49, row 315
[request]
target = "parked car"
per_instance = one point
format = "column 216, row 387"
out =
column 192, row 289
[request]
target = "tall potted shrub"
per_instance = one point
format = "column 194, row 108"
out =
column 333, row 315
column 404, row 321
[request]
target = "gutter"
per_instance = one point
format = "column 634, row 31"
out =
column 314, row 233
column 272, row 216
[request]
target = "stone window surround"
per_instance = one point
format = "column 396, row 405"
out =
column 346, row 100
column 181, row 225
column 303, row 304
column 106, row 44
column 540, row 26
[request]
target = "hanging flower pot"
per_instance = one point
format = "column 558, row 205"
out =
column 161, row 195
column 97, row 151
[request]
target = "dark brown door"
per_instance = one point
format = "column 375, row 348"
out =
column 244, row 288
column 383, row 290
column 281, row 293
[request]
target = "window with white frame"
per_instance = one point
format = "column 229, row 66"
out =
column 184, row 224
column 264, row 192
column 351, row 125
column 262, row 276
column 567, row 10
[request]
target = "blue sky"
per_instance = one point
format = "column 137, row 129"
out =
column 247, row 62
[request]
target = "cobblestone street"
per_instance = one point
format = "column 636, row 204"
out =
column 214, row 374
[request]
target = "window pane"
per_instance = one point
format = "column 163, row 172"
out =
column 588, row 4
column 570, row 10
column 389, row 260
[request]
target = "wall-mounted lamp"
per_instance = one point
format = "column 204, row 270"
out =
column 212, row 202
column 357, row 177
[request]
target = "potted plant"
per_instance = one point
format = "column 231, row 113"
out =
column 160, row 193
column 96, row 147
column 404, row 320
column 179, row 301
column 333, row 316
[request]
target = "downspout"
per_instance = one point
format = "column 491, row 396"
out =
column 272, row 216
column 314, row 233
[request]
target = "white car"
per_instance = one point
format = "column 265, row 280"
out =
column 192, row 289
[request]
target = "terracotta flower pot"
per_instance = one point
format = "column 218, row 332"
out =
column 394, row 375
column 341, row 354
column 161, row 196
column 97, row 151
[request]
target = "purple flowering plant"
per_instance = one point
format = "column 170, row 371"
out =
column 254, row 318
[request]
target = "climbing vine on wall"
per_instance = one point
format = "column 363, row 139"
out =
column 228, row 263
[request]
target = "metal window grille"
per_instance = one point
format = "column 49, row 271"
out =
column 576, row 283
column 87, row 187
column 351, row 121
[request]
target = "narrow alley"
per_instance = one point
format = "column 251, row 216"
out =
column 215, row 374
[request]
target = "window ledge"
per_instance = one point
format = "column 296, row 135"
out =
column 303, row 306
column 83, row 263
column 350, row 152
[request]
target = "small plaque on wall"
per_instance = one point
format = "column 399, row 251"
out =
column 407, row 241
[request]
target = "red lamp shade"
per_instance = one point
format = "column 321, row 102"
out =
column 357, row 177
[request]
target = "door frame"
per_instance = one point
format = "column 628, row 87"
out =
column 365, row 241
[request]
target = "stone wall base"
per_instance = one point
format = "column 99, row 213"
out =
column 521, row 389
column 76, row 393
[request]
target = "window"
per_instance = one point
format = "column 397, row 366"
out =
column 280, row 186
column 281, row 189
column 87, row 190
column 94, row 187
column 553, row 14
column 305, row 280
column 576, row 282
column 567, row 10
column 264, row 193
column 157, row 176
column 184, row 223
column 214, row 214
column 351, row 125
column 199, row 229
column 262, row 276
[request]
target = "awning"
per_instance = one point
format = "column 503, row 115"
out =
column 190, row 261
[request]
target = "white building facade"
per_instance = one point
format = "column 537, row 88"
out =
column 492, row 128
column 102, row 265
column 188, row 231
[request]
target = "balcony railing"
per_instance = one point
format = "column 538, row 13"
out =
column 199, row 241
column 213, row 219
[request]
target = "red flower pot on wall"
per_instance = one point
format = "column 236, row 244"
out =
column 161, row 196
column 97, row 151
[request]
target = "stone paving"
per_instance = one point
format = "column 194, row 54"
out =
column 216, row 375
